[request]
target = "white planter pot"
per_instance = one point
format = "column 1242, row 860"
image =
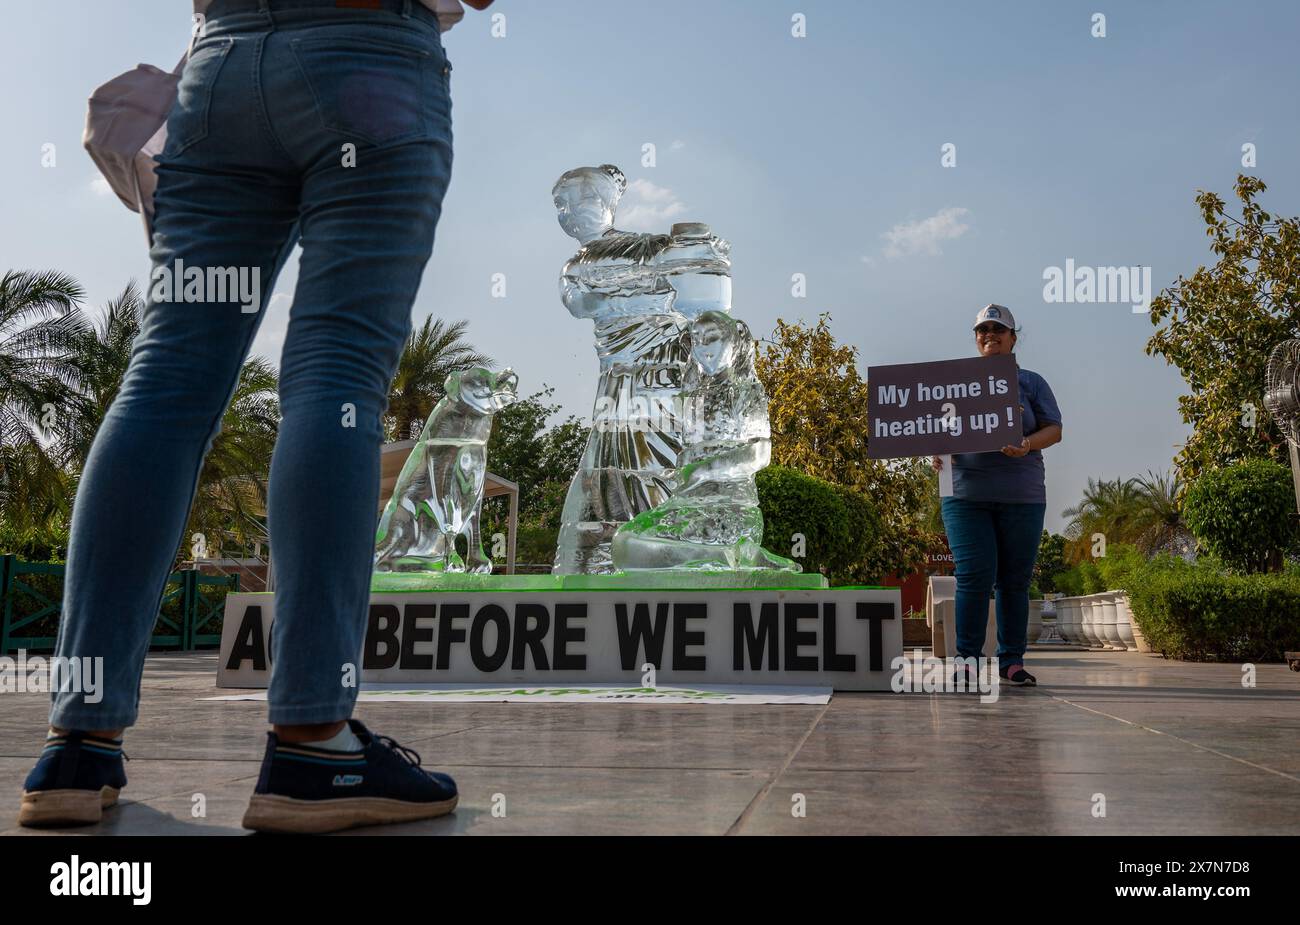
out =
column 1097, row 622
column 1035, row 628
column 1069, row 630
column 1076, row 622
column 1139, row 640
column 1087, row 623
column 1110, row 622
column 1124, row 622
column 1066, row 615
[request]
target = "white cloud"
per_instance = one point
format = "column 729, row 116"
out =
column 270, row 336
column 269, row 342
column 647, row 207
column 923, row 237
column 677, row 145
column 99, row 186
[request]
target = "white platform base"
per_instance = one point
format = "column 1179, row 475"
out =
column 844, row 639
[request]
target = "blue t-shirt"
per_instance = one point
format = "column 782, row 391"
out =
column 996, row 477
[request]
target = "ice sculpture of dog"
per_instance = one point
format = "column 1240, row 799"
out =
column 438, row 493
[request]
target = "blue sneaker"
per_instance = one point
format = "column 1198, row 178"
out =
column 77, row 777
column 311, row 790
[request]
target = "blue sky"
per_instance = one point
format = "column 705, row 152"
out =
column 818, row 155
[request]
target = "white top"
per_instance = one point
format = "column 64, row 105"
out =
column 449, row 12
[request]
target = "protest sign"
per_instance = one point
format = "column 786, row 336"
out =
column 951, row 406
column 841, row 638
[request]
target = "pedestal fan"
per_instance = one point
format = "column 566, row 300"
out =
column 1282, row 399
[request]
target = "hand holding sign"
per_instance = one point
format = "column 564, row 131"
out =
column 952, row 406
column 1019, row 449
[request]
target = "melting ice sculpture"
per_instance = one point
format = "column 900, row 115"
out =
column 641, row 290
column 679, row 425
column 438, row 493
column 713, row 520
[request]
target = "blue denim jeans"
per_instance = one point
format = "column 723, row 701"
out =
column 297, row 121
column 994, row 545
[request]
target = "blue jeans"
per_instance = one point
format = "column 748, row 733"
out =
column 994, row 545
column 297, row 121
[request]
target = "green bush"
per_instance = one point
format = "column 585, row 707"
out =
column 1114, row 567
column 865, row 531
column 1244, row 514
column 1050, row 562
column 1069, row 582
column 1090, row 577
column 1198, row 613
column 534, row 545
column 43, row 544
column 840, row 527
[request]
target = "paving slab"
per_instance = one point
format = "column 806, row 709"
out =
column 1166, row 747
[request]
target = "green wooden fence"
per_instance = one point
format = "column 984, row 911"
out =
column 31, row 594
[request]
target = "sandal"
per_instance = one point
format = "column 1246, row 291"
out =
column 1016, row 676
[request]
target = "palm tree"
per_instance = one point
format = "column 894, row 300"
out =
column 35, row 503
column 1110, row 508
column 432, row 351
column 1159, row 519
column 59, row 374
column 102, row 353
column 231, row 496
column 39, row 324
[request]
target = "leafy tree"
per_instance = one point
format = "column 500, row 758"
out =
column 432, row 351
column 1069, row 582
column 818, row 411
column 541, row 460
column 1245, row 514
column 1090, row 577
column 1051, row 562
column 1219, row 325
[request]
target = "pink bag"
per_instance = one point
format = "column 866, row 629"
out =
column 126, row 125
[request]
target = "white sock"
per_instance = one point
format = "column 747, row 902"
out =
column 345, row 741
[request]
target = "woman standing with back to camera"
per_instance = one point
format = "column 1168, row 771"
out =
column 994, row 518
column 273, row 96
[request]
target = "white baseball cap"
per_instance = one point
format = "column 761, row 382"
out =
column 998, row 314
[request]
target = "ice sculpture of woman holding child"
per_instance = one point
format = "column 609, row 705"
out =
column 713, row 520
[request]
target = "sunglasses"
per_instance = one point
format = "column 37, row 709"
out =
column 986, row 329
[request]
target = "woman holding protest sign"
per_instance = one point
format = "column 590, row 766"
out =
column 994, row 518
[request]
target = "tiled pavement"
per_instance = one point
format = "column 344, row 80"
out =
column 1173, row 747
